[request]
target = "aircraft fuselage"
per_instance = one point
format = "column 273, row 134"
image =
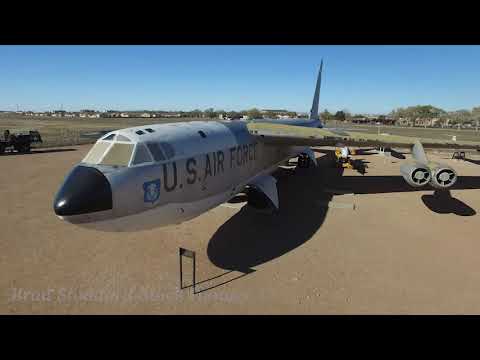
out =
column 205, row 164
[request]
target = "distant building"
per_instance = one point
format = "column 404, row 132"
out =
column 280, row 111
column 86, row 113
column 360, row 120
column 169, row 114
column 404, row 122
column 373, row 120
column 59, row 113
column 110, row 114
column 425, row 122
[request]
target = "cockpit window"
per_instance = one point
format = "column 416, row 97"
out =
column 118, row 155
column 122, row 138
column 141, row 155
column 168, row 150
column 109, row 137
column 96, row 152
column 156, row 151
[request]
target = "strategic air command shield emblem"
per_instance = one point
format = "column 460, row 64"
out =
column 151, row 191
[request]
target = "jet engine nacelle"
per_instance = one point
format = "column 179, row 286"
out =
column 415, row 174
column 258, row 201
column 262, row 194
column 442, row 176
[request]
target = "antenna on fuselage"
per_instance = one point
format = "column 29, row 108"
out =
column 316, row 97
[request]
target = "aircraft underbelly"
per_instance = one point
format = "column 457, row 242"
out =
column 168, row 214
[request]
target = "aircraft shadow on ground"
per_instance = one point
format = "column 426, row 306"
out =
column 360, row 165
column 442, row 202
column 397, row 154
column 331, row 153
column 37, row 151
column 370, row 151
column 248, row 239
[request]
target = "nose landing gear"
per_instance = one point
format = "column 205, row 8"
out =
column 303, row 161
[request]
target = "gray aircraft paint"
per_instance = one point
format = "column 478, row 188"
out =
column 221, row 167
column 203, row 172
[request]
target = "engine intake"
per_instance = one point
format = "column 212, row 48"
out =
column 443, row 177
column 415, row 175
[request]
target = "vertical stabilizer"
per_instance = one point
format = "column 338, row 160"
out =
column 316, row 96
column 418, row 153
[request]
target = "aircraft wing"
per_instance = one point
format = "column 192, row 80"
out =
column 280, row 134
column 95, row 134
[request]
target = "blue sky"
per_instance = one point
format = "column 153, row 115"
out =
column 362, row 79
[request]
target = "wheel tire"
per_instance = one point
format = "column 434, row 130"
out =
column 2, row 149
column 304, row 162
column 307, row 162
column 300, row 162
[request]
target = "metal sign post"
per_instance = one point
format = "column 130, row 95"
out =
column 190, row 254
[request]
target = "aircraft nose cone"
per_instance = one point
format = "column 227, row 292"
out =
column 85, row 190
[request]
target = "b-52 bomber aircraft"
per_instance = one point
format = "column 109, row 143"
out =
column 150, row 176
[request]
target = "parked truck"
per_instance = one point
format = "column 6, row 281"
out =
column 19, row 141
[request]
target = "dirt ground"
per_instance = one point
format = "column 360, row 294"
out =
column 384, row 250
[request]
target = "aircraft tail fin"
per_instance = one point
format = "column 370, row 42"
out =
column 418, row 153
column 314, row 110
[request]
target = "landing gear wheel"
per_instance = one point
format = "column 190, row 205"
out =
column 22, row 148
column 303, row 161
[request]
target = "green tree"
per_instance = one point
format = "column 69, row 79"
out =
column 195, row 113
column 476, row 116
column 210, row 113
column 234, row 114
column 339, row 115
column 254, row 113
column 325, row 115
column 348, row 115
column 460, row 117
column 418, row 111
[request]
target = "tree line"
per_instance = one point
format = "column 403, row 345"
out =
column 462, row 116
column 253, row 113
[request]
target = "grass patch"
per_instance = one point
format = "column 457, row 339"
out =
column 67, row 131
